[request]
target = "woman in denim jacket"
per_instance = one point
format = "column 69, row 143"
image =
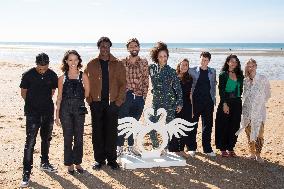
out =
column 203, row 100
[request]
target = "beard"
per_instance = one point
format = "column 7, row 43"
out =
column 134, row 53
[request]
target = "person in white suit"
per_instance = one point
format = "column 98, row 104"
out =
column 256, row 94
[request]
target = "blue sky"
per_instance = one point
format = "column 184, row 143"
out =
column 149, row 20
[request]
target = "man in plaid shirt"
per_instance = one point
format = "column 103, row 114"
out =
column 137, row 77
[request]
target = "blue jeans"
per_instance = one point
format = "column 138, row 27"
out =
column 132, row 107
column 33, row 124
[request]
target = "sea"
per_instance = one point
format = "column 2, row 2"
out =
column 269, row 64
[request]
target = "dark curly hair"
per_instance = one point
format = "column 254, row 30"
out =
column 64, row 65
column 159, row 46
column 132, row 40
column 186, row 77
column 237, row 70
column 42, row 59
column 206, row 55
column 103, row 39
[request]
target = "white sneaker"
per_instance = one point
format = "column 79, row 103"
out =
column 119, row 150
column 211, row 154
column 24, row 184
column 191, row 153
column 25, row 181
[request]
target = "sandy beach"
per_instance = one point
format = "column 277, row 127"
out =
column 201, row 171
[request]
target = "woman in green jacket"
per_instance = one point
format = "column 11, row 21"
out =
column 228, row 116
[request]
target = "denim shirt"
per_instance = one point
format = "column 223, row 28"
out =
column 195, row 72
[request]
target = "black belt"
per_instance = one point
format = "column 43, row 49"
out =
column 231, row 95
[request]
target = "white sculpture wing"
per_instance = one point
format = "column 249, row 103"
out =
column 128, row 126
column 178, row 126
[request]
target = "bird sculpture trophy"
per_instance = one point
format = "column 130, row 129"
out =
column 176, row 127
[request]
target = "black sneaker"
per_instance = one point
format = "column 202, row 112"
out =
column 47, row 167
column 26, row 180
column 113, row 165
column 98, row 165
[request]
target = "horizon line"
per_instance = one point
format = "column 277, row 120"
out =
column 142, row 42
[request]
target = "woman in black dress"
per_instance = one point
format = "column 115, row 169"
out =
column 177, row 144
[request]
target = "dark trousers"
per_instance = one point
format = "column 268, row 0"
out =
column 178, row 144
column 205, row 110
column 104, row 134
column 33, row 124
column 132, row 107
column 73, row 127
column 226, row 125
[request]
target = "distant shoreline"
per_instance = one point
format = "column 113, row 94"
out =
column 218, row 51
column 270, row 60
column 179, row 46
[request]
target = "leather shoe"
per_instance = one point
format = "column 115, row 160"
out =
column 113, row 165
column 98, row 165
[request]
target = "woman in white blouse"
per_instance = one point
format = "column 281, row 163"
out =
column 256, row 94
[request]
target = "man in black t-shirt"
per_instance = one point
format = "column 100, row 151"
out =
column 107, row 78
column 37, row 88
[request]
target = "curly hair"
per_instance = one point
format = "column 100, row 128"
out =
column 64, row 64
column 237, row 70
column 159, row 46
column 104, row 39
column 185, row 77
column 42, row 59
column 132, row 40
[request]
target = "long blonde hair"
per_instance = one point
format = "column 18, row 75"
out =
column 251, row 60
